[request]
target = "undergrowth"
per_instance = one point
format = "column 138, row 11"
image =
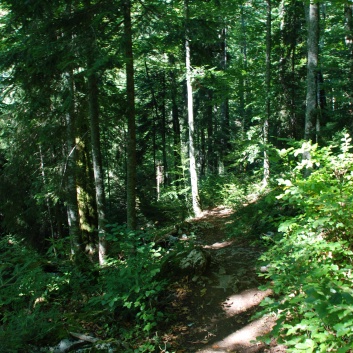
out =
column 310, row 260
column 308, row 223
column 42, row 301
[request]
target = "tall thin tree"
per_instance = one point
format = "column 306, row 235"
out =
column 97, row 164
column 71, row 185
column 93, row 105
column 268, row 93
column 130, row 112
column 311, row 118
column 192, row 168
column 348, row 16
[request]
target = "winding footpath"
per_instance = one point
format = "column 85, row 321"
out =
column 214, row 311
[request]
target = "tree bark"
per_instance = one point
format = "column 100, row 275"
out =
column 192, row 168
column 242, row 79
column 211, row 151
column 130, row 112
column 86, row 199
column 226, row 130
column 266, row 164
column 311, row 118
column 97, row 163
column 47, row 201
column 348, row 10
column 164, row 135
column 176, row 126
column 311, row 123
column 72, row 206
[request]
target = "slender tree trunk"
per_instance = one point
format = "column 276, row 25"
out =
column 86, row 199
column 162, row 119
column 72, row 206
column 311, row 117
column 268, row 95
column 226, row 131
column 311, row 114
column 47, row 201
column 93, row 106
column 176, row 125
column 193, row 173
column 211, row 153
column 97, row 163
column 348, row 10
column 291, row 23
column 131, row 138
column 164, row 135
column 242, row 79
column 155, row 119
column 203, row 153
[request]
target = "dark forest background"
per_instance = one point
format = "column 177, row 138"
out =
column 122, row 118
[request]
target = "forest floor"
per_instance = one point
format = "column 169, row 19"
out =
column 213, row 312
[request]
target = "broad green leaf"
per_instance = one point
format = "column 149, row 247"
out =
column 345, row 349
column 342, row 329
column 307, row 346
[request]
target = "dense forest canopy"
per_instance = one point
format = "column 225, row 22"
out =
column 137, row 114
column 79, row 123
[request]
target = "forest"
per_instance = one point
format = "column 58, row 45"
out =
column 127, row 126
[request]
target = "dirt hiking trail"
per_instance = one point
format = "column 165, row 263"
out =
column 213, row 311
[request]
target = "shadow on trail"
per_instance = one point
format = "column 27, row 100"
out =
column 214, row 310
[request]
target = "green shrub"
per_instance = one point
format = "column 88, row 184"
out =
column 226, row 189
column 24, row 291
column 129, row 284
column 310, row 263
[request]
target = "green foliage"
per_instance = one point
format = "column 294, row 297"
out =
column 259, row 214
column 174, row 204
column 129, row 286
column 40, row 301
column 25, row 289
column 310, row 263
column 226, row 189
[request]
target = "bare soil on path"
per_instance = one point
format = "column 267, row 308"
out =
column 213, row 311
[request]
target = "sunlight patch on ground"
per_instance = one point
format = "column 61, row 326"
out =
column 245, row 300
column 243, row 340
column 219, row 245
column 219, row 212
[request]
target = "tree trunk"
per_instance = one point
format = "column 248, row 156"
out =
column 311, row 123
column 176, row 126
column 72, row 207
column 242, row 79
column 348, row 10
column 47, row 201
column 226, row 130
column 266, row 165
column 192, row 169
column 86, row 199
column 163, row 121
column 131, row 135
column 97, row 163
column 164, row 135
column 211, row 151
